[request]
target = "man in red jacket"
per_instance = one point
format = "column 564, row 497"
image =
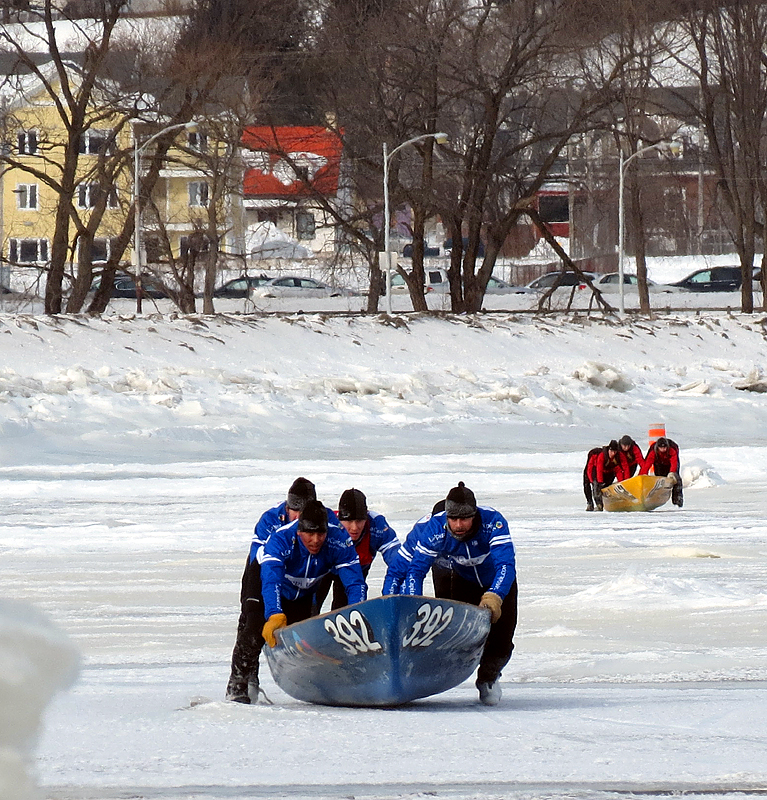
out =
column 633, row 454
column 589, row 477
column 610, row 465
column 663, row 459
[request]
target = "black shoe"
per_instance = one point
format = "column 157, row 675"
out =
column 590, row 507
column 237, row 691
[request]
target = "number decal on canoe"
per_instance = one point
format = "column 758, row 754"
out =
column 354, row 634
column 432, row 620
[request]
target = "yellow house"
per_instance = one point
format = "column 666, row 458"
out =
column 33, row 136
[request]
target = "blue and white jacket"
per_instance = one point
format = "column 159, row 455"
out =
column 487, row 558
column 290, row 571
column 272, row 519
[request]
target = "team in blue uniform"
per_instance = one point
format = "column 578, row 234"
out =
column 300, row 548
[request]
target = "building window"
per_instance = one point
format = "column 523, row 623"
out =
column 96, row 142
column 89, row 194
column 198, row 193
column 198, row 141
column 101, row 249
column 196, row 243
column 554, row 207
column 27, row 143
column 28, row 251
column 26, row 195
column 305, row 225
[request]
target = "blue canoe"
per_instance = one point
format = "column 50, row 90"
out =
column 383, row 652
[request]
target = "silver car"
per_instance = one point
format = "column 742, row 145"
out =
column 610, row 283
column 299, row 287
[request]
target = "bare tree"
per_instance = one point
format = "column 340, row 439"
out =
column 728, row 58
column 73, row 87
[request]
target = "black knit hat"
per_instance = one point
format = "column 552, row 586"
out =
column 352, row 505
column 460, row 502
column 662, row 442
column 613, row 445
column 626, row 441
column 300, row 491
column 313, row 517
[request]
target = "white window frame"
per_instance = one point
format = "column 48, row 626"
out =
column 198, row 194
column 197, row 141
column 88, row 193
column 15, row 247
column 92, row 141
column 27, row 196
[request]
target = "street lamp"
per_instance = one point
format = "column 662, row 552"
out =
column 440, row 138
column 137, row 151
column 623, row 163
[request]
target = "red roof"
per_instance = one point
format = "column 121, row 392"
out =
column 315, row 151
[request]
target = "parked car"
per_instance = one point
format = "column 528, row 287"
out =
column 124, row 286
column 428, row 252
column 610, row 283
column 435, row 281
column 240, row 287
column 497, row 286
column 714, row 279
column 569, row 279
column 299, row 287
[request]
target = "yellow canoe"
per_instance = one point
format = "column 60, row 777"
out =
column 640, row 493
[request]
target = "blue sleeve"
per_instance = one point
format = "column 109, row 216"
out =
column 384, row 538
column 428, row 540
column 347, row 567
column 268, row 522
column 273, row 556
column 395, row 574
column 504, row 559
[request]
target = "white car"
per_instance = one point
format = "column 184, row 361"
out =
column 610, row 284
column 299, row 287
column 497, row 286
column 436, row 281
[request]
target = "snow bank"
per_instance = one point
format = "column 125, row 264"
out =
column 36, row 660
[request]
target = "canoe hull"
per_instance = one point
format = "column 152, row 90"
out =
column 383, row 652
column 640, row 493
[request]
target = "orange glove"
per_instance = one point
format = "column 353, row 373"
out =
column 274, row 623
column 492, row 602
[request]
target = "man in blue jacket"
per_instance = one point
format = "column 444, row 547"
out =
column 294, row 560
column 243, row 681
column 370, row 533
column 475, row 544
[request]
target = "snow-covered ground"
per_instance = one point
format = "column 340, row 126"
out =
column 136, row 455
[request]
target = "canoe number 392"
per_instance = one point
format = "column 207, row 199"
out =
column 354, row 634
column 432, row 620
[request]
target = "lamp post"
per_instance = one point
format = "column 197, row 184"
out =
column 440, row 138
column 137, row 151
column 623, row 163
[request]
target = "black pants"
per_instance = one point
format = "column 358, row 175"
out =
column 250, row 642
column 587, row 488
column 677, row 495
column 500, row 641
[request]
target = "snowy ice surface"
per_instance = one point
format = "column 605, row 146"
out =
column 137, row 453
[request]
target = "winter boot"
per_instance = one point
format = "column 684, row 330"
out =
column 590, row 507
column 489, row 692
column 237, row 691
column 676, row 496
